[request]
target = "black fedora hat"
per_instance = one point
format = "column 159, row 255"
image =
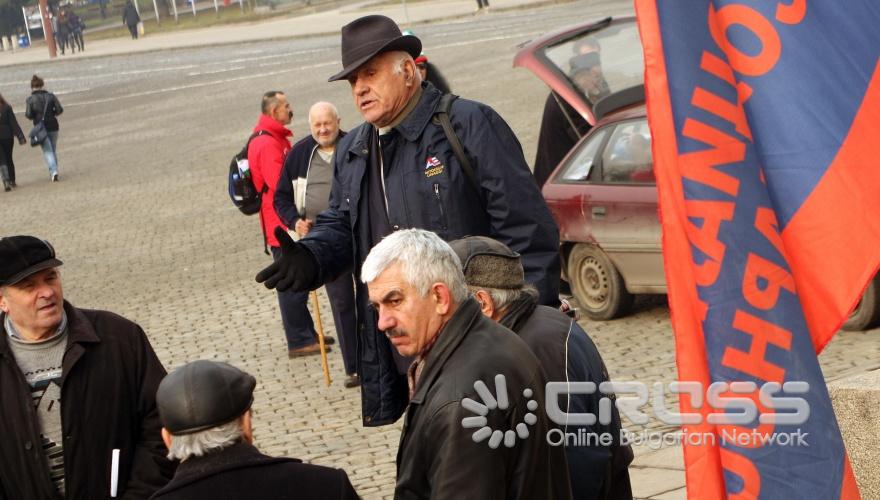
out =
column 368, row 36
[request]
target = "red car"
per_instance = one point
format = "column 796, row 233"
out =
column 602, row 195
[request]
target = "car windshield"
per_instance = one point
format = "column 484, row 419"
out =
column 600, row 62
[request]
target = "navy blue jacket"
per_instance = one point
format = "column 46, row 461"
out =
column 294, row 172
column 426, row 188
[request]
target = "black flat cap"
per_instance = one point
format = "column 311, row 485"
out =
column 203, row 394
column 365, row 37
column 22, row 256
column 489, row 263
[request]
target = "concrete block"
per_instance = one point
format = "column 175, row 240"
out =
column 856, row 403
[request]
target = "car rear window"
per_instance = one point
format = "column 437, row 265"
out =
column 601, row 62
column 627, row 156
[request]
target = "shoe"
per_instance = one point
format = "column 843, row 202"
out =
column 54, row 177
column 328, row 340
column 351, row 381
column 308, row 350
column 7, row 187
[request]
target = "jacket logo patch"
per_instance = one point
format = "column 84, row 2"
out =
column 433, row 166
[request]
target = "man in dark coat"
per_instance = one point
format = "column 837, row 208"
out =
column 303, row 191
column 494, row 274
column 206, row 423
column 9, row 130
column 77, row 390
column 398, row 170
column 131, row 18
column 451, row 444
column 561, row 128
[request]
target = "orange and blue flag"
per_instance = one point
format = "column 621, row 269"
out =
column 765, row 116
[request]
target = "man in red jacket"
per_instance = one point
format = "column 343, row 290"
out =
column 266, row 155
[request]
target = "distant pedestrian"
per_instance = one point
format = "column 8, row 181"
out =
column 482, row 5
column 131, row 18
column 205, row 407
column 9, row 130
column 77, row 390
column 38, row 102
column 76, row 26
column 62, row 33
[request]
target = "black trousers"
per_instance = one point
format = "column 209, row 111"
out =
column 133, row 29
column 6, row 152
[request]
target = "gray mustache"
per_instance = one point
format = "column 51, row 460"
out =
column 395, row 332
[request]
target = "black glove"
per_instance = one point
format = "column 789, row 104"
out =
column 296, row 269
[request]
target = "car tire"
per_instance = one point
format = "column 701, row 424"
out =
column 596, row 284
column 867, row 312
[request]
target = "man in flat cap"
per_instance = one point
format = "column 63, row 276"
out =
column 494, row 274
column 77, row 390
column 400, row 170
column 205, row 408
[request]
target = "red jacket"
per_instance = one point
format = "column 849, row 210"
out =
column 266, row 156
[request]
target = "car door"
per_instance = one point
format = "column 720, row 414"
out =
column 620, row 206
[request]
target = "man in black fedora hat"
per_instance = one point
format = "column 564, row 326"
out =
column 400, row 169
column 205, row 408
column 77, row 388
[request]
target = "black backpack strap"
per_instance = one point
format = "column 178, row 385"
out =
column 441, row 117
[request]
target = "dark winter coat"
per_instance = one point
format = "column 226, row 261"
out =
column 437, row 457
column 35, row 104
column 240, row 472
column 426, row 188
column 567, row 353
column 294, row 177
column 8, row 124
column 108, row 389
column 130, row 15
column 561, row 128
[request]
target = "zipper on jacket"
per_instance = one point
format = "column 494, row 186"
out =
column 440, row 204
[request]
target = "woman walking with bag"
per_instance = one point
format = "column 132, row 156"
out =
column 43, row 108
column 9, row 129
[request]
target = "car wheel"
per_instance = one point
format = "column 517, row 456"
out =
column 867, row 312
column 598, row 286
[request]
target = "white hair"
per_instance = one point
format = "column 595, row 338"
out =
column 323, row 104
column 502, row 298
column 400, row 61
column 200, row 443
column 425, row 259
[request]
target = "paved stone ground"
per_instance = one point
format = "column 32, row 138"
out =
column 143, row 224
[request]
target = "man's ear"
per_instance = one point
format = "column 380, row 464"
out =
column 409, row 72
column 487, row 306
column 442, row 298
column 166, row 438
column 247, row 428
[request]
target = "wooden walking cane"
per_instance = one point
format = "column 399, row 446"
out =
column 321, row 338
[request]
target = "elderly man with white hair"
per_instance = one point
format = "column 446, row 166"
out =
column 422, row 160
column 205, row 408
column 451, row 445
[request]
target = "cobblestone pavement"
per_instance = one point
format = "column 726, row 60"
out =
column 143, row 224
